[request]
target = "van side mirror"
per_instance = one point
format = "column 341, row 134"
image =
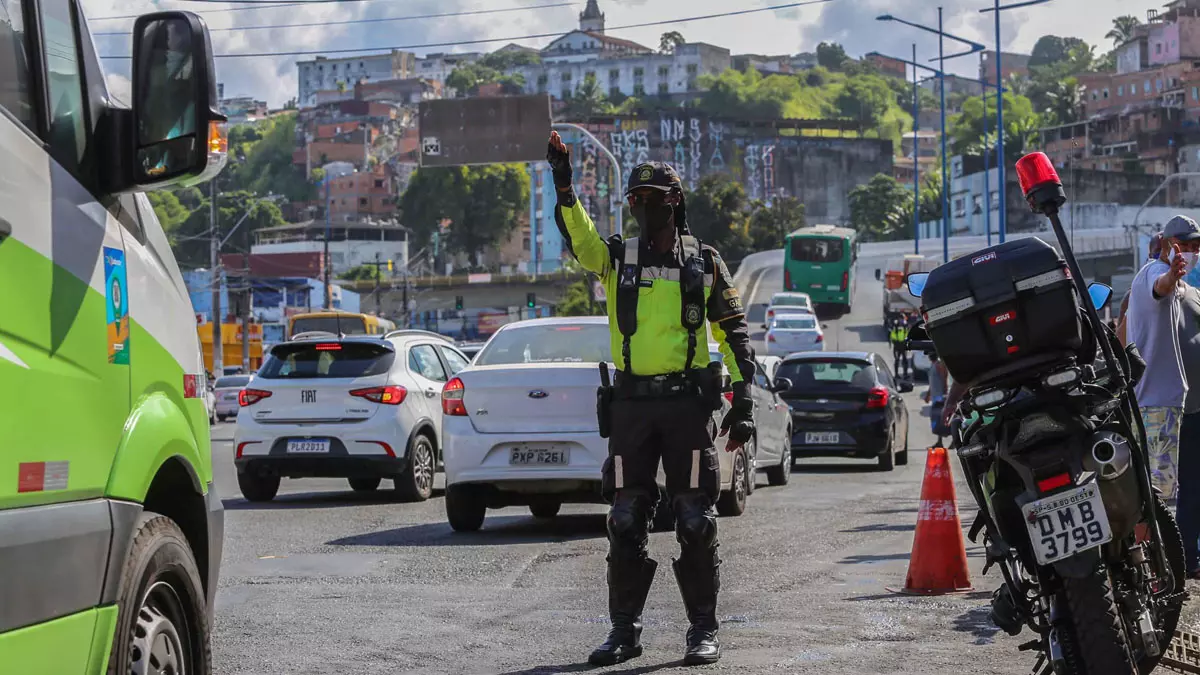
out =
column 179, row 135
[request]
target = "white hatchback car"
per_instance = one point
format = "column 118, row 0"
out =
column 361, row 408
column 520, row 426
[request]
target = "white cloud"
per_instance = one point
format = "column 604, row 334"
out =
column 850, row 22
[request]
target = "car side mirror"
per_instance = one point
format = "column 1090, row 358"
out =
column 905, row 386
column 179, row 135
column 916, row 282
column 780, row 385
column 1100, row 294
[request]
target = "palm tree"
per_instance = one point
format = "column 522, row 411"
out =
column 1123, row 28
column 1064, row 100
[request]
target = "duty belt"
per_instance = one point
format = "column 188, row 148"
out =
column 655, row 386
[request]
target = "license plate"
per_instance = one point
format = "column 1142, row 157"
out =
column 524, row 456
column 1067, row 523
column 308, row 447
column 229, row 397
column 822, row 438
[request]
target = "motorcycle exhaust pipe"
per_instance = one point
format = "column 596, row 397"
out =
column 1108, row 455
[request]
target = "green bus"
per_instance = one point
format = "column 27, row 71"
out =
column 819, row 261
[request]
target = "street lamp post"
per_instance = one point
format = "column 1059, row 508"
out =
column 975, row 47
column 916, row 158
column 1003, row 206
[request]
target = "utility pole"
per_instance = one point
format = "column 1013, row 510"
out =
column 325, row 261
column 407, row 321
column 218, row 363
column 247, row 300
column 378, row 298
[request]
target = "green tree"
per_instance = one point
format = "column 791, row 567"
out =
column 264, row 161
column 1123, row 29
column 748, row 94
column 770, row 224
column 670, row 41
column 190, row 240
column 880, row 210
column 167, row 207
column 718, row 213
column 866, row 98
column 831, row 55
column 589, row 100
column 967, row 130
column 482, row 203
column 577, row 298
column 1050, row 49
column 361, row 273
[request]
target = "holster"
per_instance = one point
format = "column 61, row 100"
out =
column 604, row 399
column 712, row 383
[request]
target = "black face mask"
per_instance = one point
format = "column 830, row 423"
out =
column 653, row 219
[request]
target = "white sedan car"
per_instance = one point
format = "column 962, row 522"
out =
column 520, row 425
column 791, row 333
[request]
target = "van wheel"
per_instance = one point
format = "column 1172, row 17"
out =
column 364, row 484
column 465, row 508
column 416, row 483
column 257, row 488
column 733, row 502
column 162, row 624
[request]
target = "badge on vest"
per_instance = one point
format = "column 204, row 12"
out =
column 693, row 314
column 629, row 276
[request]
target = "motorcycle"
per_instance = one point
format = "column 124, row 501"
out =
column 1054, row 451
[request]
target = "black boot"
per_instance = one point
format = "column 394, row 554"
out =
column 628, row 587
column 698, row 584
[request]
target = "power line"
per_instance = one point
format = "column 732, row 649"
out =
column 538, row 36
column 414, row 17
column 275, row 5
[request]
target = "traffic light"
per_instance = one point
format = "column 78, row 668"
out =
column 458, row 302
column 530, row 300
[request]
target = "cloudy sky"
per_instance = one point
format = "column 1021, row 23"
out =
column 849, row 22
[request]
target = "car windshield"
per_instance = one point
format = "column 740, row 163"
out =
column 796, row 322
column 790, row 301
column 298, row 361
column 817, row 250
column 824, row 374
column 554, row 343
column 231, row 382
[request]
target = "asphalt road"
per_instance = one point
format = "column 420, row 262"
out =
column 323, row 580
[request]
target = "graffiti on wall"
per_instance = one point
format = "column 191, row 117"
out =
column 769, row 164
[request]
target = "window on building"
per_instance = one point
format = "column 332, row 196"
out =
column 1095, row 95
column 664, row 88
column 1120, row 91
column 664, row 71
column 639, row 90
column 362, row 201
column 994, row 204
column 1158, row 87
column 566, row 77
column 1146, row 87
column 565, row 95
column 379, row 183
column 692, row 69
column 589, row 75
column 1105, row 93
column 976, row 204
column 614, row 75
column 542, row 80
column 960, row 207
column 525, row 243
column 614, row 92
column 1196, row 93
column 1157, row 47
column 639, row 72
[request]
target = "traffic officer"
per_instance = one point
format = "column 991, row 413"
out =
column 897, row 336
column 660, row 289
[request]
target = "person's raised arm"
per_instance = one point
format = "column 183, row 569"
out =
column 573, row 222
column 1165, row 285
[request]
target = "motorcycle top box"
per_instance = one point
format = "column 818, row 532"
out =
column 999, row 304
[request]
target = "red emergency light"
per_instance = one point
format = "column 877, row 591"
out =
column 1040, row 183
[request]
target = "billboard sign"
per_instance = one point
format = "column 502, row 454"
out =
column 462, row 131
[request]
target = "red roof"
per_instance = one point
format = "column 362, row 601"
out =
column 616, row 41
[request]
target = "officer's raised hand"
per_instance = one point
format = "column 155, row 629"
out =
column 558, row 154
column 739, row 421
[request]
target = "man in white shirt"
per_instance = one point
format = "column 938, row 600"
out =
column 1152, row 322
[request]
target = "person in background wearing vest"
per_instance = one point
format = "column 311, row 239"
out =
column 660, row 289
column 897, row 335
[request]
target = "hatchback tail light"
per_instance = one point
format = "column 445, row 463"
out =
column 390, row 395
column 248, row 397
column 820, row 337
column 452, row 398
column 877, row 398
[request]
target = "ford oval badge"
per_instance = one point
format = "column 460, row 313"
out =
column 538, row 393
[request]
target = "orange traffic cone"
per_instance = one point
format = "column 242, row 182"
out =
column 938, row 564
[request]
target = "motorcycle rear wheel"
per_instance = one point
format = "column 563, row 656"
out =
column 1103, row 647
column 1167, row 619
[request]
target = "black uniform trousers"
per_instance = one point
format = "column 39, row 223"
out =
column 679, row 431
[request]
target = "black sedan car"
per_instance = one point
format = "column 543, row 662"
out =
column 846, row 404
